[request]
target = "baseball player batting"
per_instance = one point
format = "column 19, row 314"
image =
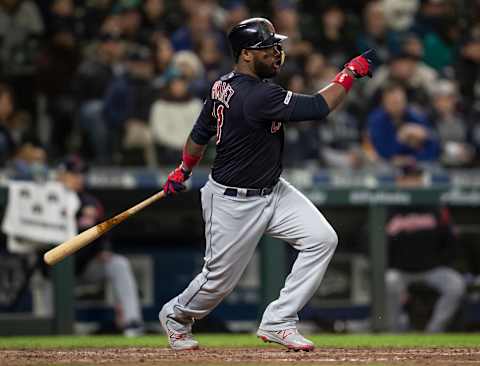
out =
column 245, row 196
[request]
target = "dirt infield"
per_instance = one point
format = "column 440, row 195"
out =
column 219, row 356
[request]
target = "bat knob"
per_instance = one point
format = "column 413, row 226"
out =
column 47, row 258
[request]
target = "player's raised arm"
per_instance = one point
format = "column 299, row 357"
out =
column 356, row 68
column 318, row 106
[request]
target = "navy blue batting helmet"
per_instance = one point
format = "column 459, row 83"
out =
column 253, row 33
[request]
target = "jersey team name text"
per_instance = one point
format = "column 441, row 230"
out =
column 222, row 92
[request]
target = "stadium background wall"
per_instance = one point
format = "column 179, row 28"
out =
column 155, row 232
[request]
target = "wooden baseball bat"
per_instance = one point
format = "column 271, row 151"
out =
column 70, row 246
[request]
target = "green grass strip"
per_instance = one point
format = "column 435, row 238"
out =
column 246, row 340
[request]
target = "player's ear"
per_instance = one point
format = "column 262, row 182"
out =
column 246, row 55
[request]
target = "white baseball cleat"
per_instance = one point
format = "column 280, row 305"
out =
column 180, row 336
column 289, row 338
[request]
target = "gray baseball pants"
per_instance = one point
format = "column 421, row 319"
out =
column 233, row 228
column 118, row 272
column 448, row 282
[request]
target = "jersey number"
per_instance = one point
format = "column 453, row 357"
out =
column 219, row 116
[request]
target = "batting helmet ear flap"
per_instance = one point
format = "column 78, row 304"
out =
column 279, row 48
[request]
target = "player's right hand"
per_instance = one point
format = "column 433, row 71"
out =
column 362, row 65
column 175, row 180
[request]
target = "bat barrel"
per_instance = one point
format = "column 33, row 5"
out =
column 70, row 246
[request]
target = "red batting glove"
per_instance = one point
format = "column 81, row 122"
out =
column 361, row 65
column 357, row 68
column 175, row 181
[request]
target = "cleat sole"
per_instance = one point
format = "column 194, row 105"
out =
column 289, row 348
column 194, row 348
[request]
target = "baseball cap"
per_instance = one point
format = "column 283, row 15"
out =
column 73, row 164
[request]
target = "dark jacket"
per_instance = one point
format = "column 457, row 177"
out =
column 383, row 135
column 419, row 238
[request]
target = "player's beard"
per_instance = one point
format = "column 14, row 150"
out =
column 264, row 70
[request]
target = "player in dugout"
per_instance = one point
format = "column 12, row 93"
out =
column 245, row 196
column 98, row 262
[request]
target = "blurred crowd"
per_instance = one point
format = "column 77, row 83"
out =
column 121, row 82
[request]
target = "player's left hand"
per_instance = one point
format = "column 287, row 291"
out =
column 362, row 65
column 175, row 181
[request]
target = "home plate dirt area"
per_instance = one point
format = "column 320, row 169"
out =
column 251, row 356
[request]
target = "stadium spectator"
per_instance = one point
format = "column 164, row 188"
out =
column 421, row 248
column 127, row 108
column 212, row 58
column 171, row 119
column 56, row 67
column 412, row 45
column 90, row 85
column 400, row 15
column 61, row 17
column 178, row 12
column 189, row 65
column 398, row 134
column 340, row 140
column 112, row 23
column 13, row 124
column 163, row 61
column 236, row 11
column 302, row 139
column 438, row 28
column 29, row 161
column 218, row 12
column 317, row 72
column 334, row 38
column 287, row 21
column 375, row 33
column 468, row 64
column 198, row 24
column 474, row 128
column 130, row 19
column 21, row 29
column 153, row 20
column 95, row 13
column 407, row 70
column 451, row 125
